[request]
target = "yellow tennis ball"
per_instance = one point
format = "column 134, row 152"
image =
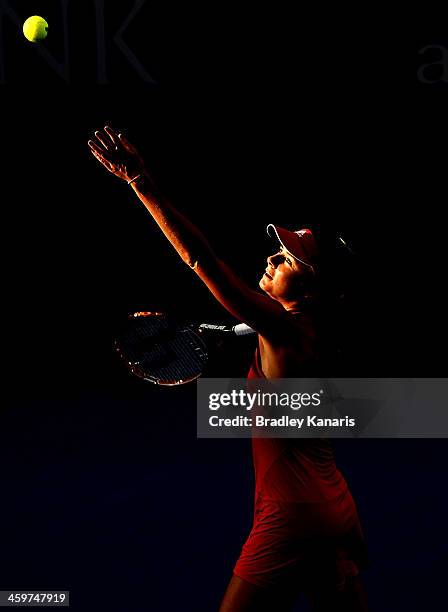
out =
column 35, row 28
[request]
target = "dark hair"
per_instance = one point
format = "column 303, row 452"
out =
column 337, row 271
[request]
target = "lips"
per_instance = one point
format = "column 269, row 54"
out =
column 266, row 273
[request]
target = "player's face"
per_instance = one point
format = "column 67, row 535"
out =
column 283, row 277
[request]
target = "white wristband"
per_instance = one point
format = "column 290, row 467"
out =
column 136, row 178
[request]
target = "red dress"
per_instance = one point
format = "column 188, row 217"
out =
column 306, row 526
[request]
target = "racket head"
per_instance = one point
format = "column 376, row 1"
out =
column 157, row 349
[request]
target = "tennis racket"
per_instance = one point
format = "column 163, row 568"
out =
column 163, row 351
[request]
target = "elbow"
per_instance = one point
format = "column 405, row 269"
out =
column 198, row 260
column 192, row 262
column 190, row 258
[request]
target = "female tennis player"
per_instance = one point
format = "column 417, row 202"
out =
column 306, row 535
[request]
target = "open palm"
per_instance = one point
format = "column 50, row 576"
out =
column 116, row 154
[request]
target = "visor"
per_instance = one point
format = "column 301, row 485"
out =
column 301, row 244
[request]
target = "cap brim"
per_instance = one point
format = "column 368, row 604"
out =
column 286, row 238
column 290, row 241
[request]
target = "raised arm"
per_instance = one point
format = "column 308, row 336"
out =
column 261, row 312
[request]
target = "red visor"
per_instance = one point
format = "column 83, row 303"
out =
column 301, row 243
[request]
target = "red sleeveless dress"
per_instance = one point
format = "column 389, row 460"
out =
column 306, row 526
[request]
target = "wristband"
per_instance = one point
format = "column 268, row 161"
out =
column 136, row 178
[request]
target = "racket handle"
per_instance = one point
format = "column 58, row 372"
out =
column 239, row 330
column 216, row 328
column 242, row 330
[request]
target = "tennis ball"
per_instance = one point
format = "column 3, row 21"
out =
column 35, row 28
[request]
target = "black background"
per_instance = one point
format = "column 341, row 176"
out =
column 257, row 114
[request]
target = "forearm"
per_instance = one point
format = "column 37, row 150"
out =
column 258, row 311
column 186, row 238
column 261, row 312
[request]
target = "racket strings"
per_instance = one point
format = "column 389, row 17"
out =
column 158, row 351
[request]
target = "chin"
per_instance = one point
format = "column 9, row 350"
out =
column 264, row 285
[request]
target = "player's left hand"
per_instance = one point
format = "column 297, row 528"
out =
column 116, row 154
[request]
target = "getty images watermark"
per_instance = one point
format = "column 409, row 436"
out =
column 264, row 401
column 314, row 408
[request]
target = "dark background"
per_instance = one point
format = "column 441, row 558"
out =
column 255, row 115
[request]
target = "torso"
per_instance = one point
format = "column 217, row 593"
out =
column 295, row 469
column 288, row 359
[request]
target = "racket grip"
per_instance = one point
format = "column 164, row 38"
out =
column 243, row 330
column 215, row 328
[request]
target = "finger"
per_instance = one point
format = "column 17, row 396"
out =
column 95, row 147
column 98, row 153
column 104, row 140
column 103, row 161
column 99, row 157
column 127, row 145
column 113, row 135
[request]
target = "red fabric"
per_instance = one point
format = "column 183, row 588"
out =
column 305, row 516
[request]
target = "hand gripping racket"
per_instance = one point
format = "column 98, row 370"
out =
column 162, row 351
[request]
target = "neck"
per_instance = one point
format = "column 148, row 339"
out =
column 301, row 306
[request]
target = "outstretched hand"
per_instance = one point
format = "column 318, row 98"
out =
column 116, row 154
